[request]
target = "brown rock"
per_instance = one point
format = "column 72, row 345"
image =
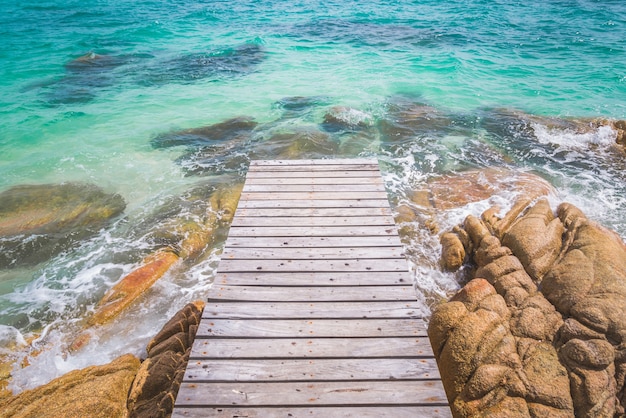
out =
column 154, row 391
column 53, row 217
column 535, row 239
column 132, row 286
column 456, row 190
column 452, row 251
column 587, row 284
column 96, row 391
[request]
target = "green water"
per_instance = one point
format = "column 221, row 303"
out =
column 175, row 65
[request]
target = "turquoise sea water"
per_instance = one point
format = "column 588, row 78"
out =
column 478, row 68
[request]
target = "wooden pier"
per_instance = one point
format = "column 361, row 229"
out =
column 313, row 311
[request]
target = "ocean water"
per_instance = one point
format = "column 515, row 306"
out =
column 492, row 84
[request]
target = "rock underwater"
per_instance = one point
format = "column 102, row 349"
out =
column 39, row 221
column 540, row 330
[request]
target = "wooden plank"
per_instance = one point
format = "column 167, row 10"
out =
column 323, row 161
column 312, row 212
column 312, row 174
column 373, row 411
column 311, row 294
column 315, row 168
column 326, row 253
column 398, row 392
column 346, row 264
column 373, row 278
column 312, row 242
column 316, row 231
column 371, row 195
column 320, row 221
column 320, row 328
column 310, row 370
column 311, row 348
column 312, row 310
column 347, row 205
column 309, row 188
column 374, row 181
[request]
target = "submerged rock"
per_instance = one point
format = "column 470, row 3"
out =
column 576, row 317
column 96, row 391
column 341, row 118
column 406, row 120
column 457, row 190
column 39, row 221
column 229, row 130
column 302, row 142
column 217, row 148
column 156, row 385
column 229, row 62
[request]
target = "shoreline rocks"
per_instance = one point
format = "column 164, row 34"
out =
column 540, row 329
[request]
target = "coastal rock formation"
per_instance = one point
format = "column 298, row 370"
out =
column 568, row 333
column 294, row 143
column 39, row 221
column 459, row 189
column 96, row 391
column 156, row 385
column 233, row 129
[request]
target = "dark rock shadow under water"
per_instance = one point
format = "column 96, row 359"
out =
column 87, row 76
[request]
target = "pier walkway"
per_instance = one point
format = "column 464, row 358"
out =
column 313, row 311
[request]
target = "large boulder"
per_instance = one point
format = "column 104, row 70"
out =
column 154, row 390
column 493, row 340
column 39, row 221
column 577, row 314
column 95, row 392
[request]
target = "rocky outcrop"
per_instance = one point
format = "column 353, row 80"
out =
column 39, row 221
column 96, row 391
column 562, row 281
column 154, row 390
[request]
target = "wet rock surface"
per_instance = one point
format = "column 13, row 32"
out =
column 39, row 221
column 96, row 391
column 156, row 385
column 559, row 283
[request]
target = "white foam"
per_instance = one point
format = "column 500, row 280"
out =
column 568, row 138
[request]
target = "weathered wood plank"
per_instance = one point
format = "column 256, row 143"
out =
column 320, row 328
column 313, row 242
column 347, row 205
column 326, row 253
column 314, row 278
column 370, row 195
column 311, row 348
column 311, row 294
column 312, row 174
column 312, row 310
column 313, row 213
column 324, row 393
column 346, row 264
column 310, row 188
column 373, row 411
column 310, row 370
column 314, row 231
column 315, row 168
column 319, row 221
column 323, row 161
column 376, row 181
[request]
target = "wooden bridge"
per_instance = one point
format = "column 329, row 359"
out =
column 313, row 311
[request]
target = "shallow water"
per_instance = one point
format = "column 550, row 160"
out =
column 471, row 72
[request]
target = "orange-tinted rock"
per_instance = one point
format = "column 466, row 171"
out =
column 456, row 190
column 95, row 392
column 132, row 286
column 535, row 238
